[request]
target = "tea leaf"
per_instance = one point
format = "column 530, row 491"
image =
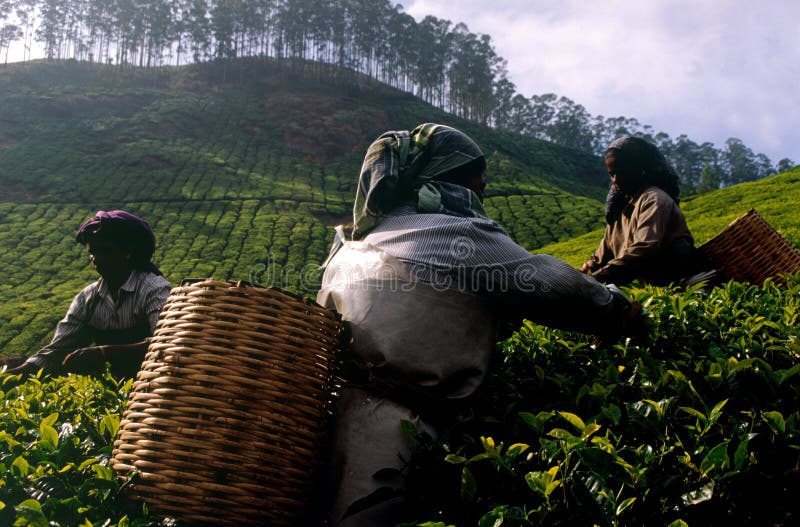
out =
column 775, row 421
column 536, row 422
column 624, row 505
column 717, row 458
column 49, row 436
column 693, row 412
column 716, row 412
column 785, row 375
column 30, row 511
column 517, row 449
column 543, row 483
column 482, row 456
column 109, row 426
column 589, row 430
column 741, row 454
column 560, row 433
column 574, row 420
column 469, row 485
column 454, row 459
column 20, row 466
column 50, row 419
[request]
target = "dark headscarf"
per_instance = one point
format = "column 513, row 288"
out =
column 405, row 166
column 657, row 172
column 126, row 230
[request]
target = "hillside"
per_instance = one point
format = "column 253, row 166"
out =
column 240, row 179
column 774, row 198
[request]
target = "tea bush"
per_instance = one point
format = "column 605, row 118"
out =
column 57, row 436
column 695, row 423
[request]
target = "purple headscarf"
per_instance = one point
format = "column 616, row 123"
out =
column 124, row 229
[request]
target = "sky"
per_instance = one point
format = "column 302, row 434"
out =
column 710, row 69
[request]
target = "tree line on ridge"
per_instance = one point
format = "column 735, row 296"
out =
column 443, row 63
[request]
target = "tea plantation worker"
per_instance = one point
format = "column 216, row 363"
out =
column 118, row 312
column 646, row 235
column 422, row 287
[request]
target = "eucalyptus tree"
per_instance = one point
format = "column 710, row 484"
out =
column 504, row 103
column 8, row 34
column 320, row 30
column 470, row 75
column 784, row 165
column 50, row 31
column 73, row 19
column 687, row 160
column 335, row 17
column 433, row 47
column 709, row 179
column 520, row 116
column 571, row 125
column 160, row 30
column 764, row 166
column 98, row 30
column 223, row 27
column 365, row 21
column 399, row 48
column 739, row 162
column 541, row 115
column 196, row 23
column 26, row 12
column 291, row 23
column 9, row 31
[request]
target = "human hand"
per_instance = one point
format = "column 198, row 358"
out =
column 85, row 360
column 23, row 368
column 585, row 268
column 13, row 376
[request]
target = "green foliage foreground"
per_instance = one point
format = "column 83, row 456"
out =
column 697, row 424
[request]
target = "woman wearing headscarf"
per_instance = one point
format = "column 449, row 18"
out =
column 118, row 312
column 646, row 235
column 422, row 286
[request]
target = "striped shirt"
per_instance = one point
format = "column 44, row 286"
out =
column 478, row 256
column 140, row 298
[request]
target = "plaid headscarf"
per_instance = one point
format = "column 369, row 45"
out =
column 403, row 166
column 657, row 172
column 126, row 230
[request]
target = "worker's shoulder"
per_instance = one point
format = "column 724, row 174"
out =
column 654, row 196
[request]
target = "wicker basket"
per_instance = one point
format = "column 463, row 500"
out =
column 225, row 419
column 750, row 250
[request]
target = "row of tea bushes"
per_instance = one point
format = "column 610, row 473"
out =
column 697, row 422
column 276, row 244
column 693, row 423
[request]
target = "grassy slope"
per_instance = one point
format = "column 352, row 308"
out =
column 240, row 181
column 775, row 198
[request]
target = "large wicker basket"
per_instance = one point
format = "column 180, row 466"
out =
column 225, row 419
column 750, row 250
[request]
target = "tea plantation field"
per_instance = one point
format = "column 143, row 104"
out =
column 695, row 422
column 239, row 182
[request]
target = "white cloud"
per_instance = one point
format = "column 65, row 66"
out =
column 713, row 69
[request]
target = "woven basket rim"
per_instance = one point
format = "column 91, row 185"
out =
column 244, row 284
column 750, row 249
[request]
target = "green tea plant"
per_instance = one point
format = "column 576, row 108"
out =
column 57, row 436
column 695, row 423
